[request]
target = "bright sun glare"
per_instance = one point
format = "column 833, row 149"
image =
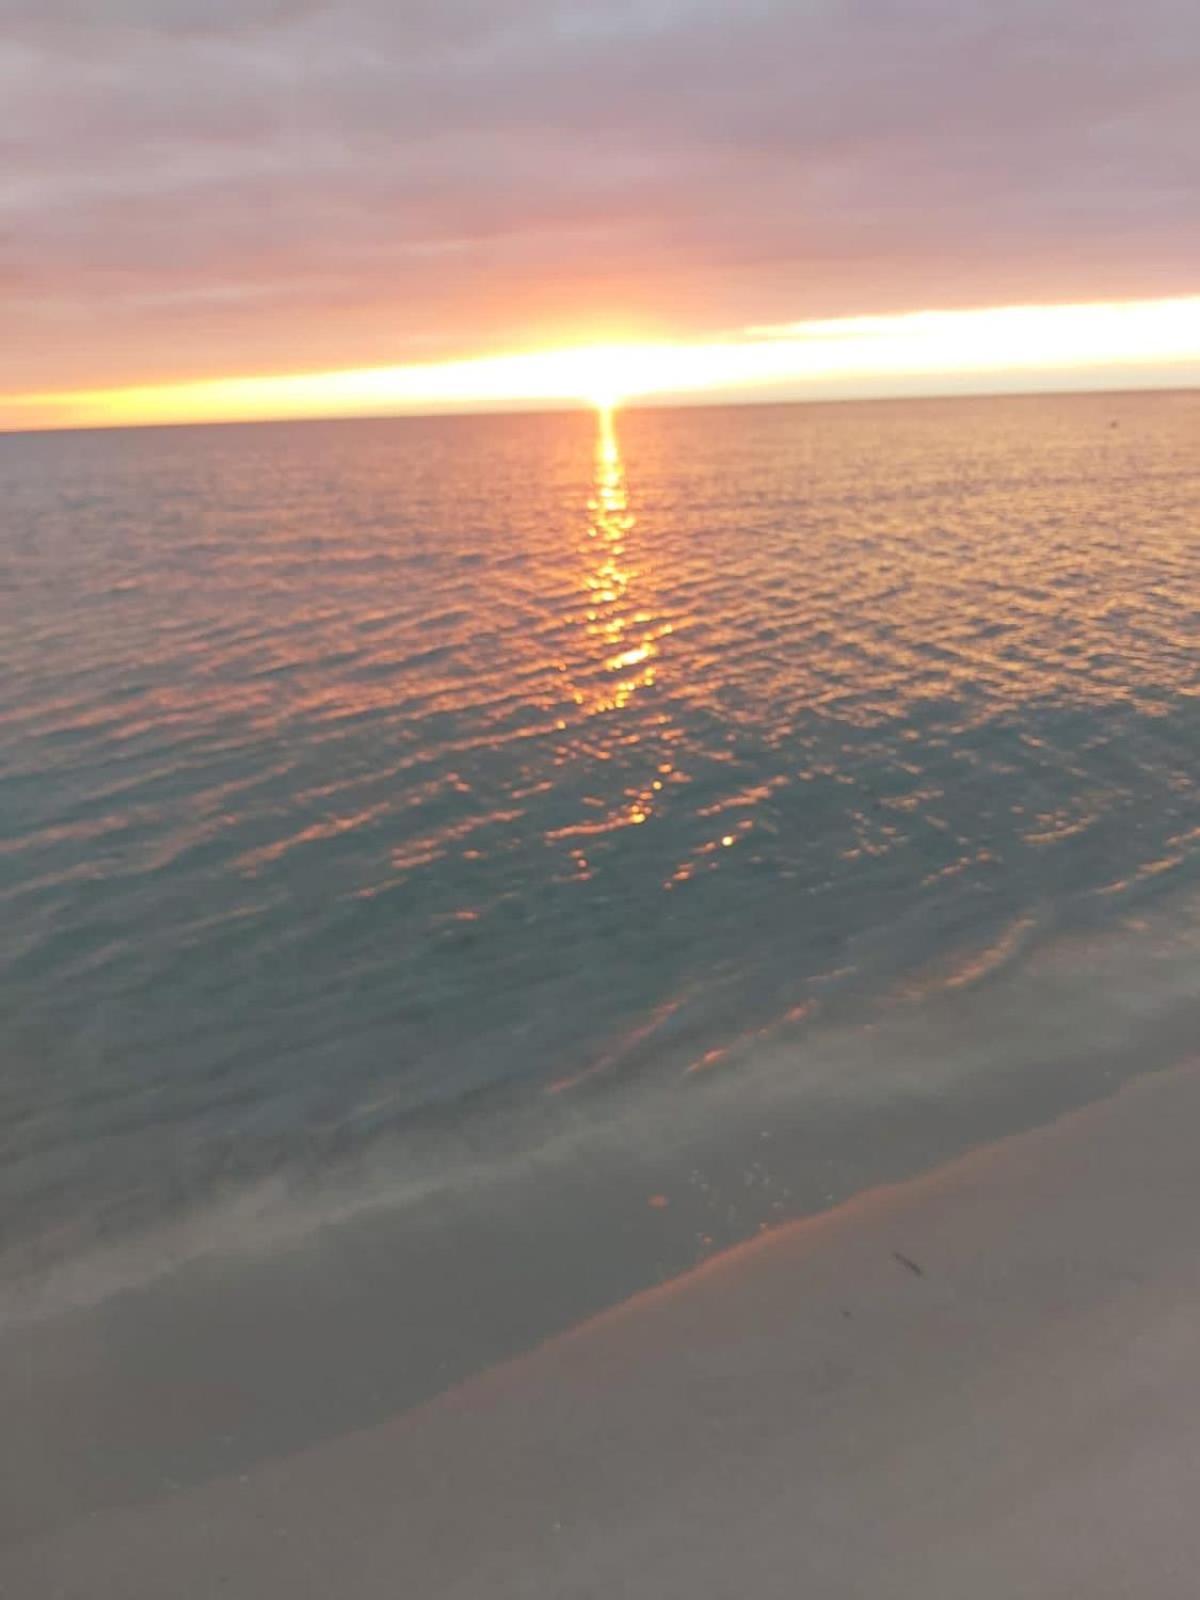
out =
column 604, row 377
column 803, row 359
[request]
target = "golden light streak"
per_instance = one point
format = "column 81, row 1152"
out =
column 802, row 357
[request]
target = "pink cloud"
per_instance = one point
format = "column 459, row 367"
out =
column 193, row 186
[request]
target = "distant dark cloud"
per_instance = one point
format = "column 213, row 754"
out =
column 223, row 185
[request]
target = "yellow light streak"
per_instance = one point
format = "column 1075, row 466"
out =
column 807, row 357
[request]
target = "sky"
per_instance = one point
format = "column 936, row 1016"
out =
column 197, row 191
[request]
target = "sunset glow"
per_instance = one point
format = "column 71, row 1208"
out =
column 869, row 354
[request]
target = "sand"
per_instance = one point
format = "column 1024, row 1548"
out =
column 984, row 1382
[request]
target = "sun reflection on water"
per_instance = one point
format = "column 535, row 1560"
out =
column 617, row 653
column 627, row 636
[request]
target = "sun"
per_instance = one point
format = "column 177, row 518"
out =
column 604, row 397
column 604, row 375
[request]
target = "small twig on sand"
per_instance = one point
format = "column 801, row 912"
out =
column 906, row 1261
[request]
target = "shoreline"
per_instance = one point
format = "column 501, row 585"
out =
column 977, row 1381
column 860, row 1086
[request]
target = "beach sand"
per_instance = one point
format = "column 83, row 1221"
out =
column 983, row 1382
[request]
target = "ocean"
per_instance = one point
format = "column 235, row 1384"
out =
column 683, row 817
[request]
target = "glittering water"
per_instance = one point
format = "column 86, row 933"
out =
column 350, row 770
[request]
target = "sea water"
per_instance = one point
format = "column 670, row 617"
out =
column 367, row 783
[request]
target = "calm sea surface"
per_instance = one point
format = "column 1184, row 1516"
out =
column 357, row 778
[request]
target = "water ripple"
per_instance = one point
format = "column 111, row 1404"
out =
column 348, row 770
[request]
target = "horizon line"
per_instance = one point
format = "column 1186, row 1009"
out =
column 997, row 349
column 581, row 407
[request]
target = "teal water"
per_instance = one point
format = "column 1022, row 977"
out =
column 358, row 779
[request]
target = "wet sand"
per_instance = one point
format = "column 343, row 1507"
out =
column 983, row 1382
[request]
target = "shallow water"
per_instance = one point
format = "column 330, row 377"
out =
column 357, row 778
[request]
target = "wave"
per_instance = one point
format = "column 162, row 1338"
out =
column 736, row 1124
